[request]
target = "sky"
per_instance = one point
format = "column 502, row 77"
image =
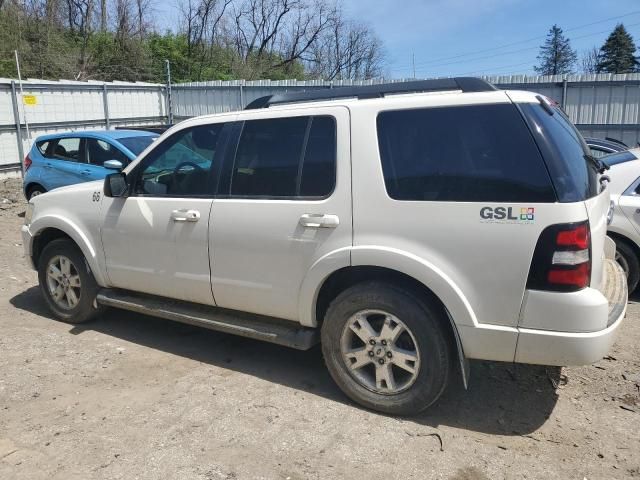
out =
column 481, row 37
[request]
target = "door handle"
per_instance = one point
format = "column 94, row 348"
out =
column 48, row 165
column 184, row 215
column 319, row 220
column 85, row 172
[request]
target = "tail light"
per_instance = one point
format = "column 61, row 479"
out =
column 27, row 162
column 562, row 259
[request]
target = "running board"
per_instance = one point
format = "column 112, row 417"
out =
column 268, row 329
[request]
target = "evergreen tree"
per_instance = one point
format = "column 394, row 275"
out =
column 556, row 55
column 617, row 55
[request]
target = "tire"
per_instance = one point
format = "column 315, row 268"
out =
column 425, row 339
column 34, row 191
column 628, row 260
column 74, row 282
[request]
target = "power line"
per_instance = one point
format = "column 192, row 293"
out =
column 524, row 41
column 519, row 50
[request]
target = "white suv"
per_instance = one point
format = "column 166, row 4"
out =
column 406, row 227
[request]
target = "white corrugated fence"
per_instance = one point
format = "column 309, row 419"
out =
column 600, row 105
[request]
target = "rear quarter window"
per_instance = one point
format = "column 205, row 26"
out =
column 479, row 153
column 565, row 152
column 42, row 146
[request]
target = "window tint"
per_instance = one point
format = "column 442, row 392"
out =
column 68, row 149
column 574, row 177
column 137, row 144
column 599, row 152
column 181, row 165
column 470, row 153
column 285, row 157
column 42, row 146
column 99, row 151
column 616, row 158
column 319, row 166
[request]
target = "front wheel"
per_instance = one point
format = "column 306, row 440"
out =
column 66, row 282
column 386, row 349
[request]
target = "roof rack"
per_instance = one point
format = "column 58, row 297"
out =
column 466, row 84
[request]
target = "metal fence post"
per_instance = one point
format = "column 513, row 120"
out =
column 564, row 94
column 241, row 97
column 16, row 119
column 169, row 99
column 105, row 104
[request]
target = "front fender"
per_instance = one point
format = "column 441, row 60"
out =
column 65, row 225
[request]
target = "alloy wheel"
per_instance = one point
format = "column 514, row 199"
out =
column 380, row 352
column 63, row 282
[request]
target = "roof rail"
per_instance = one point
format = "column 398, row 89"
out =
column 466, row 84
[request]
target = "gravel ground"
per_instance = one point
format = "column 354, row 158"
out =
column 133, row 397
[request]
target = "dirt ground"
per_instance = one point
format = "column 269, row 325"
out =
column 133, row 397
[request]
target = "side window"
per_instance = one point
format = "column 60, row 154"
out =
column 481, row 153
column 68, row 149
column 285, row 158
column 43, row 146
column 319, row 165
column 99, row 151
column 181, row 165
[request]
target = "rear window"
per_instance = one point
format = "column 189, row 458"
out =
column 616, row 158
column 566, row 154
column 480, row 153
column 137, row 144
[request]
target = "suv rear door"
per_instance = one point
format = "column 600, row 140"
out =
column 284, row 203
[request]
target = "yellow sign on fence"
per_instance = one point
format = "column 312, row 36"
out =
column 29, row 99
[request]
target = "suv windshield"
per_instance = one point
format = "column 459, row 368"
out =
column 574, row 176
column 137, row 144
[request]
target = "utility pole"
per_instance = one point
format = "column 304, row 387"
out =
column 413, row 64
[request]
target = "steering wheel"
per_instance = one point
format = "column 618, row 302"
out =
column 181, row 165
column 175, row 183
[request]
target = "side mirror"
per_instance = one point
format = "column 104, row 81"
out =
column 115, row 185
column 113, row 165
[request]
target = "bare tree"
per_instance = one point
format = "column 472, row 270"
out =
column 201, row 19
column 589, row 60
column 103, row 16
column 348, row 50
column 270, row 34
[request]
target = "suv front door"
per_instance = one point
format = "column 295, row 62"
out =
column 283, row 204
column 156, row 239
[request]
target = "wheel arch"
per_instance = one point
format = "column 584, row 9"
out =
column 48, row 229
column 29, row 186
column 616, row 235
column 432, row 286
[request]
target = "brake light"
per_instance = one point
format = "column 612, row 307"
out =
column 577, row 237
column 562, row 259
column 27, row 162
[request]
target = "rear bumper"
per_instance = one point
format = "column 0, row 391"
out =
column 552, row 347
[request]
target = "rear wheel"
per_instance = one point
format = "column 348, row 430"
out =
column 628, row 260
column 386, row 349
column 66, row 282
column 34, row 191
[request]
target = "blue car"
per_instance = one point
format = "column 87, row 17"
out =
column 66, row 158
